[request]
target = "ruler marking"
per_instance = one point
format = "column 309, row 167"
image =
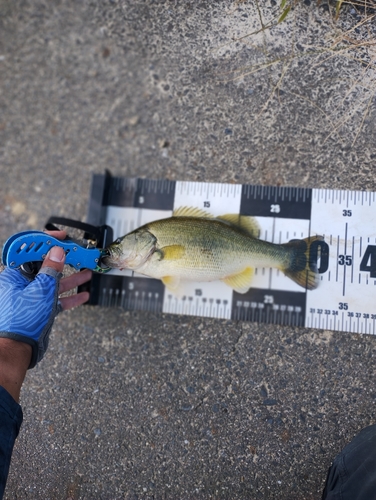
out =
column 344, row 265
column 273, row 230
column 352, row 260
column 282, row 226
column 337, row 258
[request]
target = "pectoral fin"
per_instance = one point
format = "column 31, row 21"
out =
column 173, row 252
column 171, row 282
column 241, row 282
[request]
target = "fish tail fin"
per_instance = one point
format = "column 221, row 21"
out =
column 303, row 265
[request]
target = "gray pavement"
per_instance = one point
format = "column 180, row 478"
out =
column 135, row 405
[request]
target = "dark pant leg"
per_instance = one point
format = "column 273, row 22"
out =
column 10, row 423
column 353, row 473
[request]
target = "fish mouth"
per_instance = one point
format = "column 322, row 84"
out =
column 106, row 259
column 102, row 266
column 111, row 257
column 113, row 260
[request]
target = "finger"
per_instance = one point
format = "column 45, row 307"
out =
column 74, row 300
column 55, row 259
column 74, row 280
column 60, row 235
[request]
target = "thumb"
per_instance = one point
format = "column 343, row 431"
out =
column 55, row 259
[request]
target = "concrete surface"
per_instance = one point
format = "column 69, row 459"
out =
column 137, row 406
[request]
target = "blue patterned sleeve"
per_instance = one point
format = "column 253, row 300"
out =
column 28, row 308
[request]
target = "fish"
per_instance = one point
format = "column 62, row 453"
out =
column 194, row 245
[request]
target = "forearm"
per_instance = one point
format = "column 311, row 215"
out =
column 14, row 362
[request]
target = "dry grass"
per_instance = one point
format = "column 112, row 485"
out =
column 366, row 7
column 350, row 39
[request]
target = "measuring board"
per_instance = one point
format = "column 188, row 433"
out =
column 344, row 299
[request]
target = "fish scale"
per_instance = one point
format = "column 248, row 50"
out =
column 346, row 263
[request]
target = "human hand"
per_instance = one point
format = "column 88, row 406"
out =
column 28, row 308
column 70, row 282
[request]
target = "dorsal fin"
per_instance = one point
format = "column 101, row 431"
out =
column 191, row 212
column 246, row 223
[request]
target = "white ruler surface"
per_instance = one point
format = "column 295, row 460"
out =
column 345, row 298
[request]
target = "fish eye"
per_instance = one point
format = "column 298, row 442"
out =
column 117, row 241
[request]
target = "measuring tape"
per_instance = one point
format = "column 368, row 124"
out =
column 345, row 299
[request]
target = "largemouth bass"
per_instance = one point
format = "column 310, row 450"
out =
column 192, row 245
